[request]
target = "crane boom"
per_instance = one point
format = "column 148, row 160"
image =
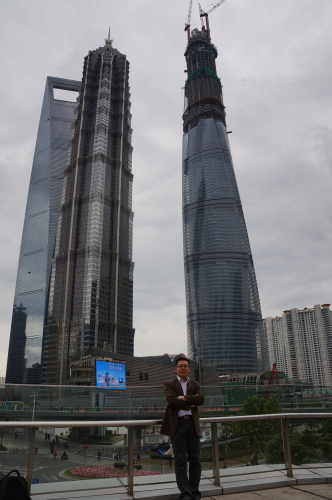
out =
column 206, row 15
column 200, row 15
column 215, row 6
column 189, row 12
column 187, row 25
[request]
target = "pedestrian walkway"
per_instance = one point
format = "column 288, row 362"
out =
column 240, row 483
column 305, row 492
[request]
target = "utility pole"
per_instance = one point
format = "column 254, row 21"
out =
column 199, row 367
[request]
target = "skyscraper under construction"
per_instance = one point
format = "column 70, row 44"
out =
column 223, row 309
column 91, row 290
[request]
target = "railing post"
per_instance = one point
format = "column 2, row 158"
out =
column 287, row 453
column 31, row 454
column 130, row 461
column 215, row 454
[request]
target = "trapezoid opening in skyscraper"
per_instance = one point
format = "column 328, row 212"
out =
column 224, row 317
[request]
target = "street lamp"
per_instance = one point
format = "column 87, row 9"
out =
column 34, row 394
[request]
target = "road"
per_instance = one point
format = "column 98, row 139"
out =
column 45, row 467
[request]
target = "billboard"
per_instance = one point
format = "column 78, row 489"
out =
column 110, row 375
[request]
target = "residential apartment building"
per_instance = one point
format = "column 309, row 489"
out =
column 300, row 343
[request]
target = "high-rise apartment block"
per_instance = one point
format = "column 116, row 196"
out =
column 300, row 343
column 224, row 316
column 91, row 291
column 39, row 232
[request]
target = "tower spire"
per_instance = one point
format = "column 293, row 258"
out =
column 108, row 41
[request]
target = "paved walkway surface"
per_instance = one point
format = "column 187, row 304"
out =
column 243, row 483
column 305, row 492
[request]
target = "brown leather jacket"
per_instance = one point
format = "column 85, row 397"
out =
column 173, row 389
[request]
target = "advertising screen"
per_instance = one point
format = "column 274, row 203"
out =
column 110, row 375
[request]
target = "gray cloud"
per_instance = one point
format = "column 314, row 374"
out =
column 281, row 141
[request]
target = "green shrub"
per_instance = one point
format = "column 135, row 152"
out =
column 156, row 455
column 235, row 449
column 137, row 466
column 310, row 460
column 300, row 453
column 120, row 465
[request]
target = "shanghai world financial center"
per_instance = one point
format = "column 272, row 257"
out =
column 75, row 275
column 74, row 284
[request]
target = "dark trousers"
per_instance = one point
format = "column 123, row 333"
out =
column 186, row 442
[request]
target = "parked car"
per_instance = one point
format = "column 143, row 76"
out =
column 207, row 440
column 157, row 446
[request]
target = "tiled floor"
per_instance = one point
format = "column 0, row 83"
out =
column 305, row 492
column 242, row 483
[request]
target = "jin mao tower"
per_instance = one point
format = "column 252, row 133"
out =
column 91, row 291
column 224, row 316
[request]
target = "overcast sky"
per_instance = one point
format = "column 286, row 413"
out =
column 275, row 66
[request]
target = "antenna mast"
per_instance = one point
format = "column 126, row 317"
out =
column 187, row 24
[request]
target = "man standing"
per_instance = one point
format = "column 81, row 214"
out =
column 181, row 423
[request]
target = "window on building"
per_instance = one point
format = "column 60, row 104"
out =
column 146, row 376
column 141, row 376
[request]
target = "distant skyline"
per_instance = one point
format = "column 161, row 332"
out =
column 274, row 64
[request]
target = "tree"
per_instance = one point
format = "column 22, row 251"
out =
column 308, row 438
column 300, row 453
column 324, row 439
column 257, row 433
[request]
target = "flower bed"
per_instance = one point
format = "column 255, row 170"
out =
column 104, row 471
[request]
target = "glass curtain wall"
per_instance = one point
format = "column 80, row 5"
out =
column 39, row 232
column 223, row 310
column 91, row 293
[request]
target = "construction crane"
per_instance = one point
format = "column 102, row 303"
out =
column 206, row 15
column 271, row 381
column 187, row 24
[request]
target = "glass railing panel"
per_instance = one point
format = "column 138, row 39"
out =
column 15, row 443
column 96, row 453
column 310, row 442
column 206, row 448
column 39, row 402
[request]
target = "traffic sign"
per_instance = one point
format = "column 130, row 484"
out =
column 161, row 451
column 148, row 448
column 34, row 481
column 86, row 446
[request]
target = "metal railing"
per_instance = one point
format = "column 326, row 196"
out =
column 130, row 424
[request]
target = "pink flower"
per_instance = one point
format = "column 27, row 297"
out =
column 104, row 471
